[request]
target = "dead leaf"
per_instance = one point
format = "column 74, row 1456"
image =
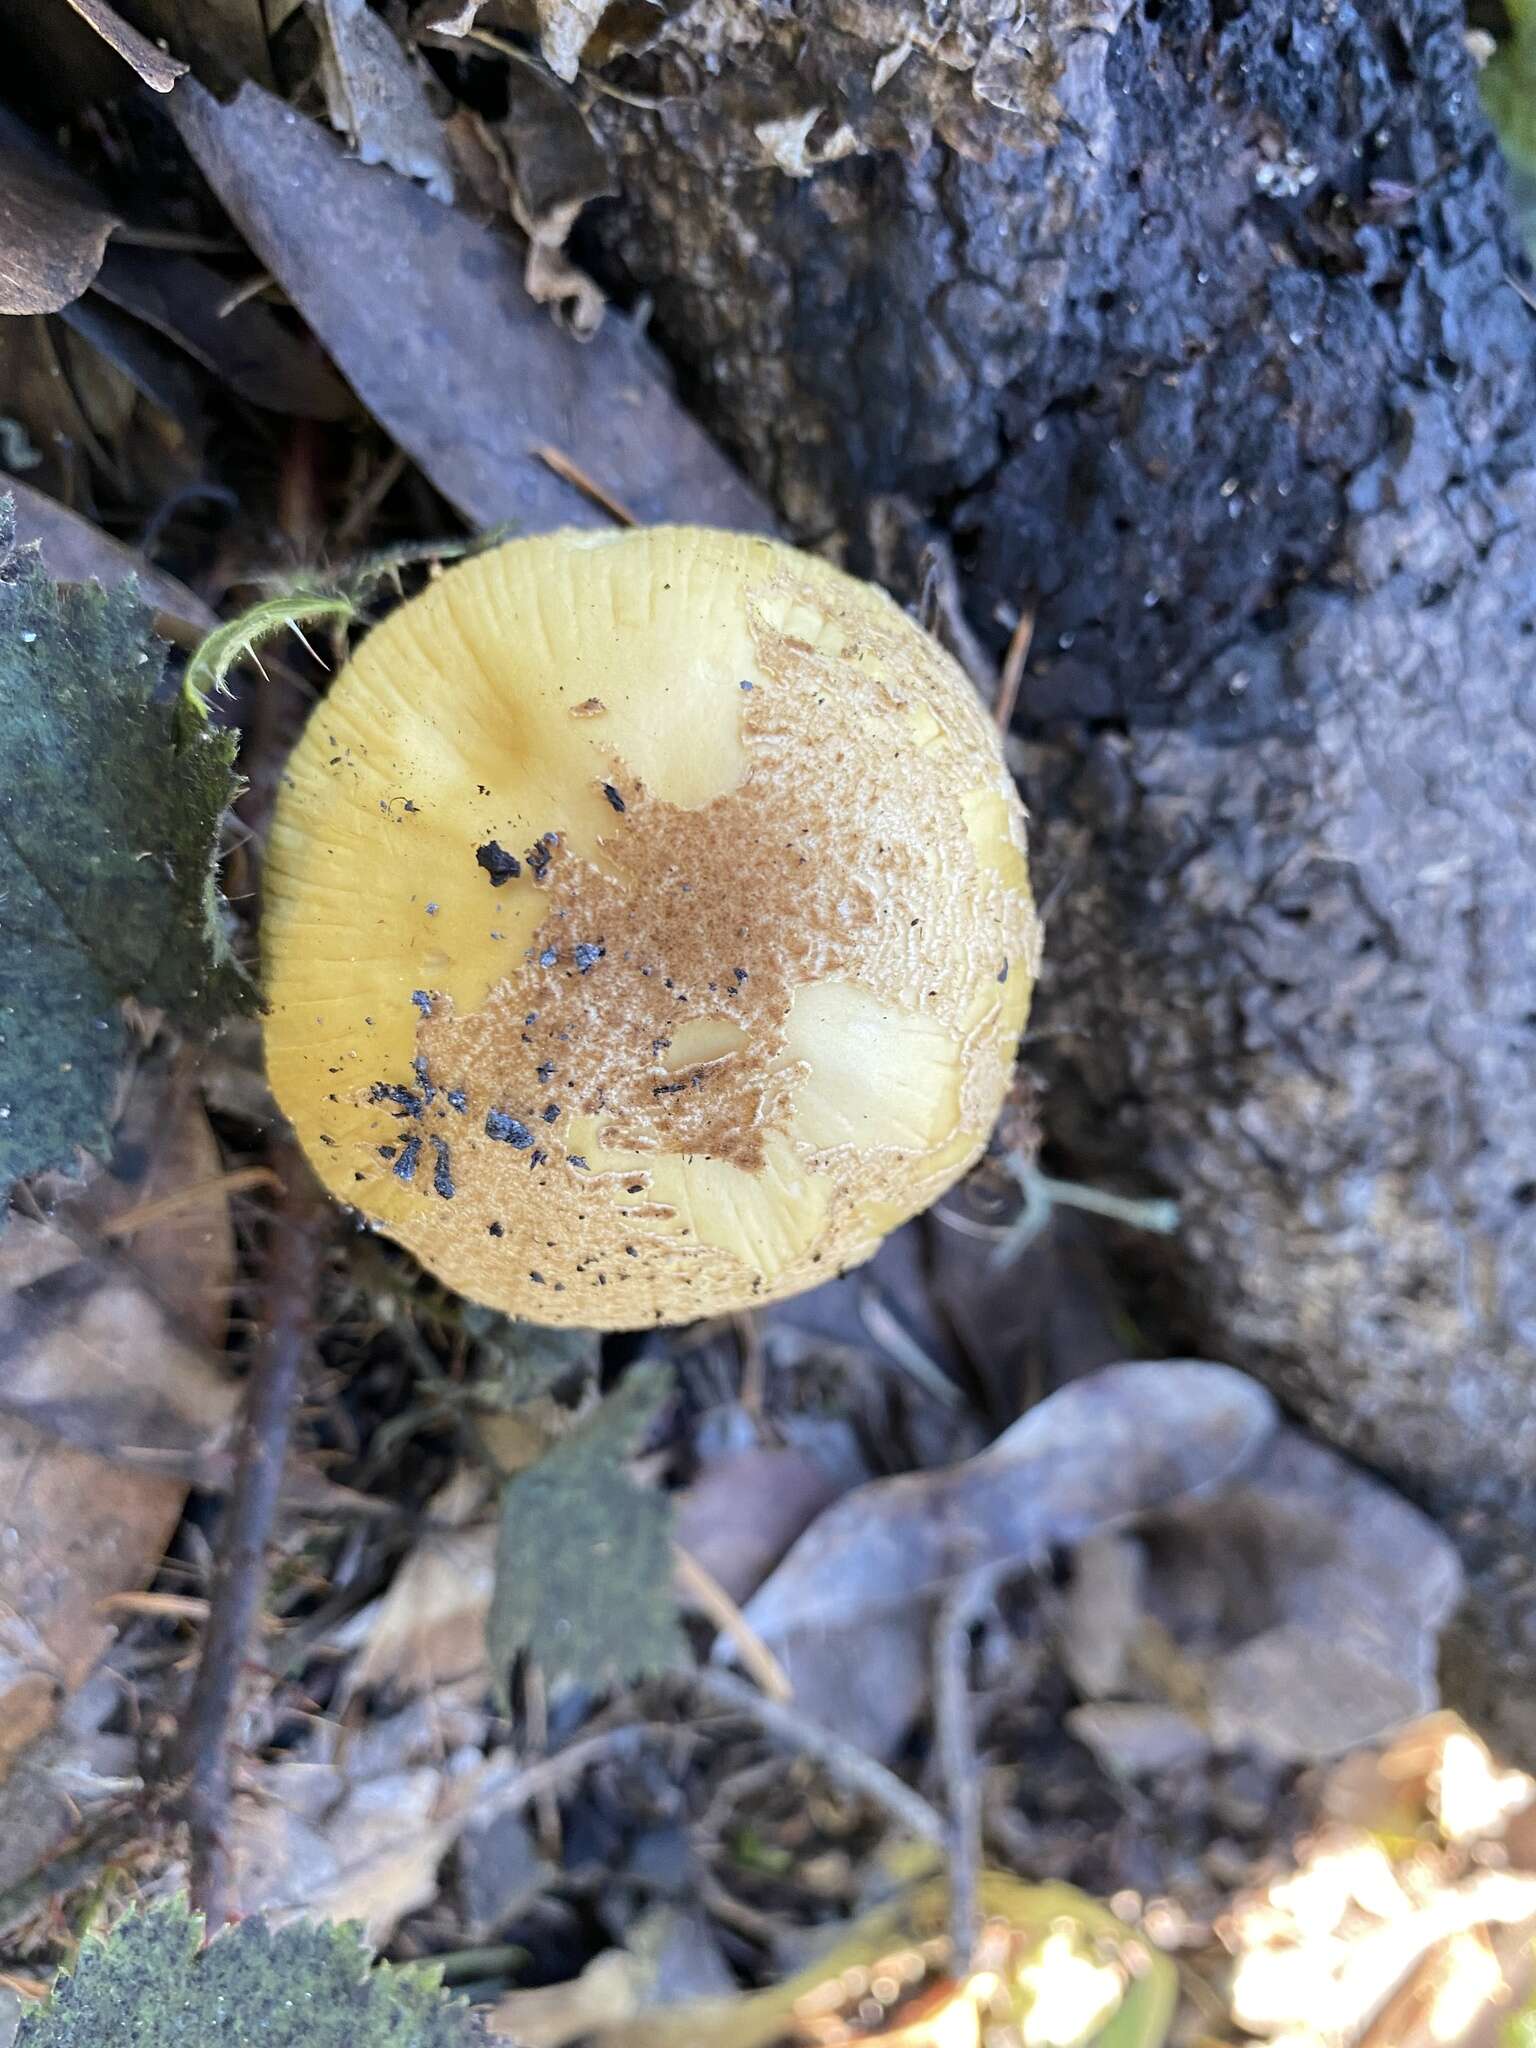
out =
column 1299, row 1609
column 466, row 373
column 428, row 1631
column 246, row 346
column 101, row 1352
column 376, row 97
column 53, row 230
column 75, row 551
column 565, row 29
column 75, row 1769
column 158, row 71
column 553, row 166
column 846, row 1612
column 224, row 40
column 357, row 1830
column 743, row 1511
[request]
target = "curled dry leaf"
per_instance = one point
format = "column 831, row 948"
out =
column 75, row 551
column 846, row 1612
column 428, row 1630
column 1297, row 1612
column 158, row 70
column 378, row 99
column 356, row 1829
column 565, row 29
column 53, row 230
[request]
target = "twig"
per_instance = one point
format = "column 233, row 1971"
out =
column 956, row 1734
column 573, row 474
column 843, row 1760
column 294, row 1256
column 713, row 1601
column 1012, row 676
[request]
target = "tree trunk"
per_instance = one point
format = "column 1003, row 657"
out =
column 1193, row 326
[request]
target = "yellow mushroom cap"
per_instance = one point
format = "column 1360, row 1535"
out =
column 647, row 926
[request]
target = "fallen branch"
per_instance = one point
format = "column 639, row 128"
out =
column 202, row 1757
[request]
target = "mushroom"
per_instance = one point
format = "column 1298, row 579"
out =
column 647, row 927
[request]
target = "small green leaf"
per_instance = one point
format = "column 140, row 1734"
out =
column 108, row 835
column 584, row 1557
column 209, row 665
column 151, row 1981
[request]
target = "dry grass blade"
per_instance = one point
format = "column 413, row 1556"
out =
column 701, row 1586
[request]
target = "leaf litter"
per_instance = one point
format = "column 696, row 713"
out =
column 1163, row 1554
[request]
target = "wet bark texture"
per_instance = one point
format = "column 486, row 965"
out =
column 1191, row 324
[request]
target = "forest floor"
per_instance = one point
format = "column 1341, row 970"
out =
column 1209, row 1706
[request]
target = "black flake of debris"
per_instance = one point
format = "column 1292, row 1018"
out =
column 551, row 1112
column 613, row 796
column 495, row 1230
column 388, row 1151
column 442, row 1172
column 391, row 1091
column 457, row 1099
column 587, row 956
column 1002, row 972
column 740, row 973
column 546, row 1072
column 537, row 858
column 746, row 685
column 499, row 1125
column 423, row 1001
column 500, row 865
column 538, row 1158
column 404, row 1167
column 577, row 1160
column 537, row 1279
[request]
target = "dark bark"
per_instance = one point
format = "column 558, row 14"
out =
column 1194, row 323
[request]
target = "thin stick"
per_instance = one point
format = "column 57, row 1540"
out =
column 843, row 1760
column 713, row 1601
column 573, row 474
column 196, row 1194
column 1013, row 670
column 294, row 1257
column 952, row 1712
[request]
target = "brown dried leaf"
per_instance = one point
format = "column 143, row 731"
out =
column 376, row 97
column 53, row 231
column 75, row 551
column 1300, row 1609
column 246, row 346
column 565, row 29
column 91, row 1363
column 847, row 1612
column 466, row 372
column 428, row 1631
column 158, row 70
column 360, row 1836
